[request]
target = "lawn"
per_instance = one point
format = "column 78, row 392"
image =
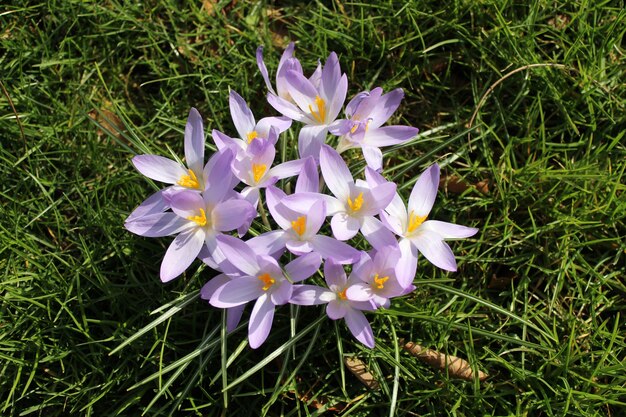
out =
column 522, row 104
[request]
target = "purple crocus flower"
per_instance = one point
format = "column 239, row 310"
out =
column 340, row 306
column 367, row 112
column 287, row 62
column 316, row 105
column 196, row 218
column 262, row 279
column 247, row 128
column 254, row 169
column 421, row 235
column 378, row 276
column 301, row 220
column 159, row 168
column 357, row 203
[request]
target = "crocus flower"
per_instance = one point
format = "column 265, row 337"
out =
column 367, row 112
column 254, row 169
column 196, row 218
column 159, row 168
column 247, row 128
column 419, row 234
column 340, row 306
column 262, row 279
column 301, row 220
column 378, row 277
column 317, row 106
column 287, row 62
column 357, row 203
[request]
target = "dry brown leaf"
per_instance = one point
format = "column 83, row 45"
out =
column 456, row 185
column 560, row 21
column 108, row 122
column 359, row 369
column 209, row 6
column 457, row 367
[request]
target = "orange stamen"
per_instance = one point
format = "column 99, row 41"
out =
column 299, row 225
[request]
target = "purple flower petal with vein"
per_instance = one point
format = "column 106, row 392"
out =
column 419, row 234
column 340, row 306
column 317, row 105
column 262, row 280
column 367, row 112
column 359, row 202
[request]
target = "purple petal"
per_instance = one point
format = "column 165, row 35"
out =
column 332, row 248
column 261, row 64
column 315, row 217
column 273, row 197
column 336, row 309
column 243, row 118
column 298, row 247
column 301, row 91
column 336, row 173
column 159, row 168
column 236, row 292
column 303, row 267
column 207, row 290
column 310, row 140
column 260, row 321
column 286, row 169
column 281, row 292
column 385, row 106
column 194, row 141
column 181, row 253
column 432, row 246
column 373, row 156
column 340, row 127
column 154, row 204
column 331, row 73
column 308, row 295
column 231, row 214
column 360, row 327
column 373, row 178
column 308, row 180
column 381, row 197
column 239, row 254
column 157, row 225
column 344, row 226
column 376, row 233
column 218, row 177
column 271, row 243
column 449, row 230
column 407, row 264
column 286, row 108
column 334, row 274
column 265, row 124
column 223, row 141
column 359, row 292
column 339, row 97
column 425, row 191
column 389, row 135
column 233, row 317
column 187, row 203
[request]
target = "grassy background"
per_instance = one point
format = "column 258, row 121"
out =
column 539, row 299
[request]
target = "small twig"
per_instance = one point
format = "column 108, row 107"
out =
column 17, row 117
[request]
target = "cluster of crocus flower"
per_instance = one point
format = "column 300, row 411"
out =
column 210, row 207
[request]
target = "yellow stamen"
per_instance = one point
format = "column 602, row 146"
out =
column 354, row 128
column 189, row 181
column 342, row 294
column 380, row 282
column 267, row 281
column 367, row 124
column 258, row 170
column 320, row 114
column 415, row 221
column 199, row 220
column 356, row 204
column 299, row 225
column 252, row 136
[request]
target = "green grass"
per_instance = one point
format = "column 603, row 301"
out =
column 539, row 299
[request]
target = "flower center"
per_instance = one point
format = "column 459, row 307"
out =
column 299, row 225
column 199, row 220
column 258, row 170
column 356, row 204
column 342, row 294
column 189, row 181
column 380, row 282
column 415, row 221
column 320, row 114
column 267, row 281
column 252, row 136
